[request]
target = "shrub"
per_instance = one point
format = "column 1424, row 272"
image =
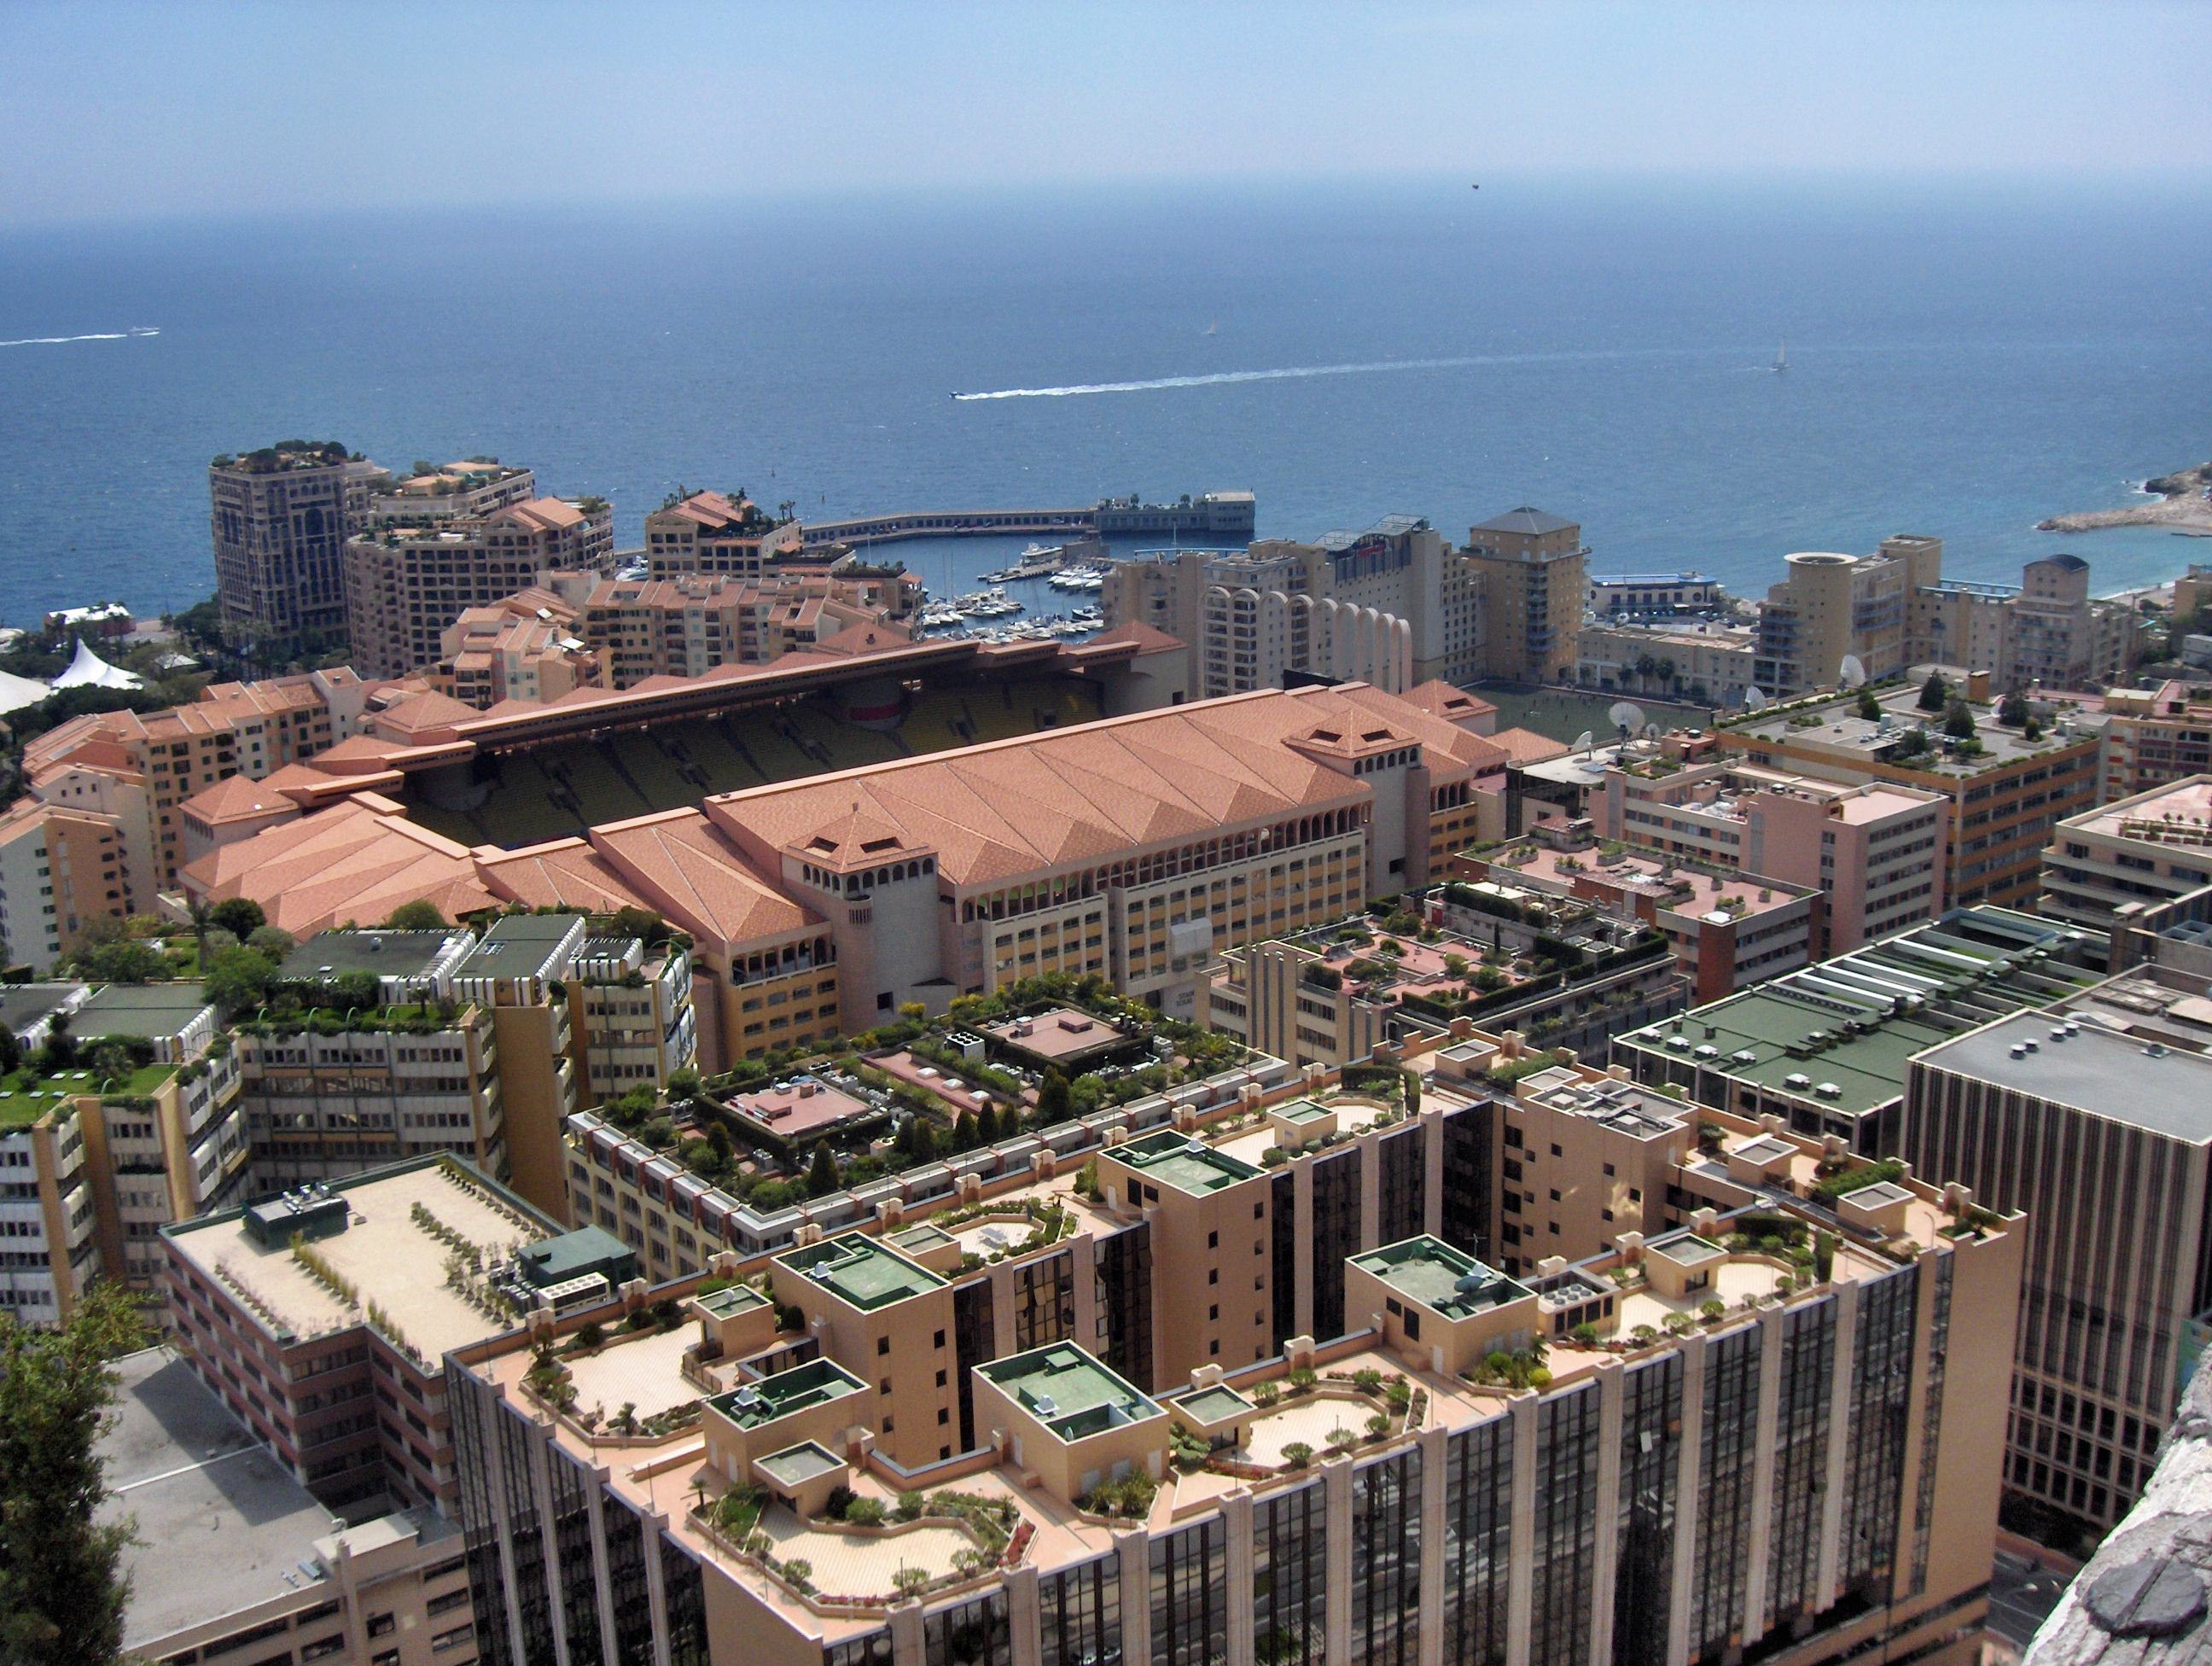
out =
column 909, row 1504
column 1297, row 1454
column 865, row 1513
column 1585, row 1333
column 1302, row 1380
column 1378, row 1424
column 1368, row 1380
column 1712, row 1307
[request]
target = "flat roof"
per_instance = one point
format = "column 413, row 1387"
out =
column 1838, row 729
column 1189, row 1165
column 732, row 1299
column 794, row 1466
column 2095, row 1070
column 1429, row 1271
column 1685, row 1249
column 1215, row 1405
column 814, row 1383
column 800, row 1106
column 23, row 1005
column 388, row 1257
column 860, row 1270
column 1063, row 1032
column 518, row 945
column 1068, row 1391
column 2177, row 815
column 1977, row 957
column 220, row 1522
column 1298, row 1111
column 150, row 1010
column 386, row 953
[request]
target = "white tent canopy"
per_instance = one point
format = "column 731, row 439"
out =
column 17, row 692
column 89, row 671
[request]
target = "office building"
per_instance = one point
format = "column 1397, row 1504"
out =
column 2046, row 630
column 2095, row 1118
column 1531, row 575
column 322, row 1317
column 405, row 584
column 60, row 869
column 233, row 1560
column 1809, row 1471
column 2122, row 859
column 1873, row 850
column 280, row 518
column 1825, row 1048
column 2008, row 788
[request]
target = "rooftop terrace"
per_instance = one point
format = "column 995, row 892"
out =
column 1836, row 727
column 1429, row 1271
column 862, row 1271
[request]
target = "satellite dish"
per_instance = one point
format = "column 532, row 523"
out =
column 1626, row 714
column 1754, row 698
column 1853, row 673
column 1584, row 741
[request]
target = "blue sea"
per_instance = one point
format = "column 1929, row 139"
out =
column 1962, row 361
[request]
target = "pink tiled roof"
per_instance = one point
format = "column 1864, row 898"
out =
column 563, row 874
column 356, row 861
column 681, row 862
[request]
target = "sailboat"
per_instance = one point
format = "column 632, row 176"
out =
column 1782, row 357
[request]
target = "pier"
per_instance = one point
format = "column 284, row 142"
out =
column 1215, row 516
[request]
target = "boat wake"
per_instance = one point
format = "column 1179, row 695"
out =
column 1288, row 374
column 105, row 335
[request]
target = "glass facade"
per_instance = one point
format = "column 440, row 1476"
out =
column 1079, row 1614
column 1289, row 1578
column 1464, row 1218
column 1190, row 1595
column 1044, row 1301
column 1283, row 1210
column 1931, row 1421
column 1124, row 1281
column 1335, row 1235
column 1403, row 1173
column 977, row 1633
column 1386, row 1560
column 1881, row 1386
column 975, row 1342
column 1727, row 1448
column 1565, row 1548
column 873, row 1650
column 1803, row 1402
column 1650, row 1472
column 1478, row 1536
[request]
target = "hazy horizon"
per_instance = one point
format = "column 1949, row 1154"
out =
column 123, row 114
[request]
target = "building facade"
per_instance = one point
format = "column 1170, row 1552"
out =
column 1531, row 572
column 60, row 869
column 2122, row 859
column 280, row 518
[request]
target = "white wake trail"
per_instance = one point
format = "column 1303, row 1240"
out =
column 58, row 341
column 1290, row 372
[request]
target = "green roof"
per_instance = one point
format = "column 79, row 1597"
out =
column 1854, row 1021
column 732, row 1300
column 152, row 1011
column 1068, row 1391
column 1214, row 1405
column 573, row 1254
column 859, row 1270
column 1186, row 1164
column 1299, row 1110
column 816, row 1383
column 26, row 1096
column 1430, row 1272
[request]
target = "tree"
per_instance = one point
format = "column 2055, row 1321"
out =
column 1935, row 693
column 683, row 1083
column 2012, row 710
column 272, row 940
column 822, row 1172
column 242, row 917
column 11, row 1051
column 1053, row 1098
column 1869, row 707
column 108, row 1061
column 62, row 1590
column 420, row 916
column 236, row 979
column 1958, row 721
column 964, row 1132
column 121, row 963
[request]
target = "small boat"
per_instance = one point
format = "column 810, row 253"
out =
column 1782, row 357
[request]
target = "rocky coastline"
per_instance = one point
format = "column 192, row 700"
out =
column 2182, row 506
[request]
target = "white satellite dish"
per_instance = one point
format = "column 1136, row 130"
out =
column 1626, row 714
column 1585, row 741
column 1754, row 698
column 1852, row 675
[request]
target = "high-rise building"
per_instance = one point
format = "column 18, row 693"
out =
column 2151, row 737
column 1532, row 575
column 711, row 532
column 2095, row 1118
column 2114, row 862
column 2046, row 630
column 60, row 870
column 280, row 518
column 406, row 584
column 1257, row 1394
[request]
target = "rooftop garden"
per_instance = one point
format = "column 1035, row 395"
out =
column 119, row 1069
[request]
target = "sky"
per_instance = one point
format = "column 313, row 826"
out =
column 124, row 113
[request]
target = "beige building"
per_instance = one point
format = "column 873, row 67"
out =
column 466, row 489
column 710, row 532
column 2151, row 737
column 524, row 647
column 280, row 518
column 2119, row 859
column 1711, row 662
column 2046, row 630
column 60, row 869
column 1532, row 575
column 2095, row 1118
column 1830, row 607
column 405, row 584
column 1871, row 848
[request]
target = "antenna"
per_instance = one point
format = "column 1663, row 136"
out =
column 1626, row 716
column 1852, row 674
column 1585, row 742
column 1754, row 698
